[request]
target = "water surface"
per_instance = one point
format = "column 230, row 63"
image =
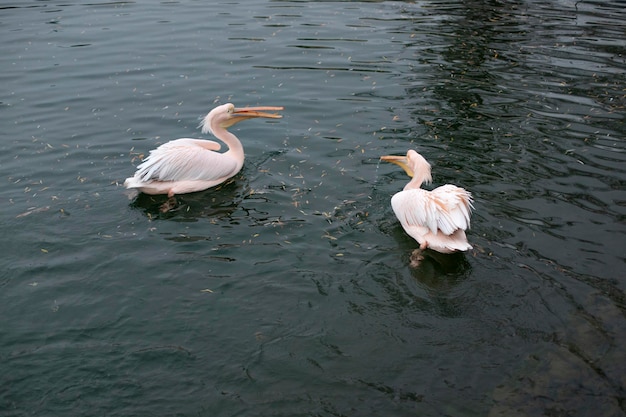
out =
column 288, row 290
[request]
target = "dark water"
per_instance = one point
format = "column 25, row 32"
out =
column 288, row 290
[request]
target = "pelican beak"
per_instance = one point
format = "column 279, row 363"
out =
column 401, row 161
column 251, row 112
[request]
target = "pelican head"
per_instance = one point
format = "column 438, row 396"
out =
column 227, row 115
column 413, row 164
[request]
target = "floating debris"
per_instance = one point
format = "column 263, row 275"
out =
column 32, row 210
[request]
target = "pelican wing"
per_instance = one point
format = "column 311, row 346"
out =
column 186, row 159
column 446, row 208
column 455, row 207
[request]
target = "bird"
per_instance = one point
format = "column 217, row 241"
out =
column 436, row 219
column 187, row 165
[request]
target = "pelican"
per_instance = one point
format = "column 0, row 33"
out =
column 187, row 165
column 437, row 219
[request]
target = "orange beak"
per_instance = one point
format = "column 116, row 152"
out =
column 260, row 111
column 401, row 161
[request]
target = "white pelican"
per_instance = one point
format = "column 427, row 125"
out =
column 187, row 165
column 437, row 219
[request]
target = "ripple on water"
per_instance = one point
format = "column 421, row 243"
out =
column 289, row 287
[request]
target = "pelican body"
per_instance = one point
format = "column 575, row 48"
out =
column 436, row 219
column 189, row 165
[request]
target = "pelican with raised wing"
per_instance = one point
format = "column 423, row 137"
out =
column 437, row 219
column 188, row 165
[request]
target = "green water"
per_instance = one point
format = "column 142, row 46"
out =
column 288, row 290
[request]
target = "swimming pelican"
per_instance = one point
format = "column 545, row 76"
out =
column 437, row 219
column 187, row 165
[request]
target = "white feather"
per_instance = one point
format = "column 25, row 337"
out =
column 445, row 210
column 186, row 160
